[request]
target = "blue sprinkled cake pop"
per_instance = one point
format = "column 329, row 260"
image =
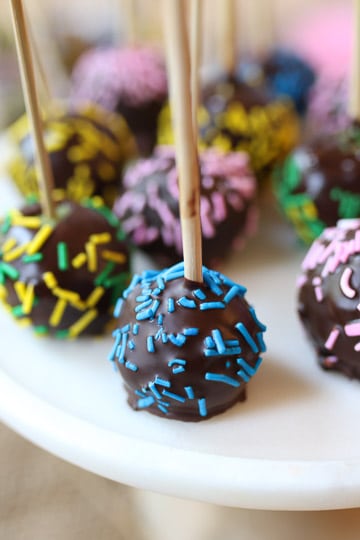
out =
column 185, row 350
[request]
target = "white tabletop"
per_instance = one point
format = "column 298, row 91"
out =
column 294, row 444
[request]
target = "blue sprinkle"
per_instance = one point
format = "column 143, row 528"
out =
column 202, row 407
column 176, row 361
column 158, row 334
column 243, row 375
column 146, row 292
column 178, row 369
column 199, row 294
column 189, row 392
column 140, row 393
column 118, row 307
column 261, row 341
column 143, row 305
column 156, row 291
column 211, row 305
column 209, row 342
column 177, row 340
column 150, row 344
column 171, row 305
column 232, row 342
column 155, row 307
column 160, row 283
column 164, row 337
column 131, row 366
column 122, row 348
column 191, row 331
column 228, row 364
column 115, row 367
column 162, row 382
column 160, row 319
column 163, row 409
column 145, row 402
column 249, row 369
column 211, row 282
column 135, row 280
column 154, row 390
column 187, row 303
column 135, row 329
column 233, row 350
column 145, row 315
column 236, row 290
column 148, row 275
column 176, row 397
column 174, row 275
column 112, row 354
column 253, row 314
column 243, row 330
column 142, row 298
column 210, row 352
column 125, row 328
column 131, row 345
column 219, row 342
column 217, row 377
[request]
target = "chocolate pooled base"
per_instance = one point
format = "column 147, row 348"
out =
column 185, row 350
column 329, row 297
column 63, row 277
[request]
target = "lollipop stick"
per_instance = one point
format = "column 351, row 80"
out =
column 186, row 154
column 45, row 86
column 354, row 101
column 228, row 36
column 195, row 55
column 29, row 88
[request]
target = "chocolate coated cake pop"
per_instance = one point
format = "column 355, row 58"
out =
column 149, row 209
column 185, row 350
column 329, row 297
column 88, row 147
column 131, row 81
column 63, row 278
column 320, row 184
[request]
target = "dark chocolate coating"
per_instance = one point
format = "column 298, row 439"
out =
column 88, row 148
column 149, row 205
column 320, row 183
column 75, row 228
column 329, row 297
column 183, row 373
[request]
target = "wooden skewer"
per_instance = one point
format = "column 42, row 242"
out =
column 354, row 98
column 177, row 50
column 228, row 36
column 45, row 176
column 43, row 79
column 195, row 55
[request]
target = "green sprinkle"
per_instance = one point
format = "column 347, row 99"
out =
column 32, row 258
column 116, row 280
column 62, row 255
column 17, row 311
column 109, row 216
column 6, row 225
column 41, row 330
column 120, row 235
column 62, row 334
column 2, row 278
column 9, row 271
column 105, row 273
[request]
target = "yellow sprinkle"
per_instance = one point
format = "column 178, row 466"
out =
column 106, row 171
column 67, row 295
column 39, row 239
column 3, row 292
column 91, row 256
column 24, row 322
column 58, row 312
column 8, row 244
column 20, row 289
column 95, row 296
column 79, row 304
column 58, row 194
column 102, row 238
column 97, row 201
column 79, row 260
column 28, row 222
column 15, row 253
column 82, row 323
column 50, row 280
column 29, row 298
column 113, row 256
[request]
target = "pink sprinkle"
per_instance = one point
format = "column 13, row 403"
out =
column 357, row 346
column 352, row 329
column 219, row 207
column 330, row 342
column 301, row 280
column 319, row 294
column 347, row 290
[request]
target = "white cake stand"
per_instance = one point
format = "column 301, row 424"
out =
column 293, row 445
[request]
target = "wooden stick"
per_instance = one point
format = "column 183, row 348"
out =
column 42, row 77
column 186, row 152
column 195, row 56
column 45, row 176
column 354, row 98
column 228, row 36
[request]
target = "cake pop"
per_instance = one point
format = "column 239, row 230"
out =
column 88, row 147
column 131, row 81
column 328, row 297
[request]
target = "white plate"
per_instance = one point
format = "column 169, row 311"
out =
column 294, row 444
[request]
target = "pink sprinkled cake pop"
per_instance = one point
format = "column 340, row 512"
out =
column 148, row 207
column 131, row 81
